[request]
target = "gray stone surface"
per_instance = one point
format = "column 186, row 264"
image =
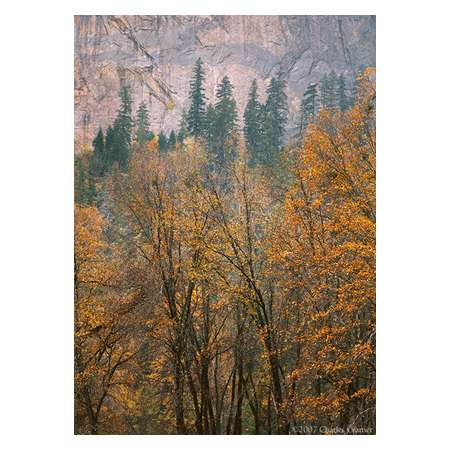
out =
column 155, row 56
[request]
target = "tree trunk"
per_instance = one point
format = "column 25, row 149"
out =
column 240, row 396
column 282, row 422
column 179, row 410
column 233, row 390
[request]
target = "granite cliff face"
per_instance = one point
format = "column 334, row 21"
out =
column 155, row 56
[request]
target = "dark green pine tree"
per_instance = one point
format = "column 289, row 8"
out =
column 333, row 90
column 97, row 163
column 172, row 140
column 353, row 88
column 328, row 90
column 142, row 125
column 324, row 89
column 253, row 117
column 224, row 139
column 308, row 108
column 209, row 126
column 162, row 142
column 91, row 192
column 275, row 119
column 196, row 113
column 343, row 101
column 80, row 182
column 181, row 135
column 123, row 126
column 108, row 154
column 85, row 189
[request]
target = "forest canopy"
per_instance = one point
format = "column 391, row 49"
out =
column 225, row 275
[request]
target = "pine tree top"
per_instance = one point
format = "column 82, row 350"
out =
column 225, row 88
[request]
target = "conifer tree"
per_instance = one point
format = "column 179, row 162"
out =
column 309, row 108
column 91, row 191
column 80, row 181
column 328, row 88
column 324, row 90
column 195, row 117
column 333, row 89
column 123, row 126
column 85, row 188
column 162, row 142
column 142, row 125
column 210, row 124
column 275, row 119
column 341, row 93
column 172, row 140
column 180, row 136
column 354, row 86
column 253, row 124
column 108, row 154
column 98, row 159
column 225, row 124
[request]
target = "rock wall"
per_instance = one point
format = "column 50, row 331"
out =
column 155, row 56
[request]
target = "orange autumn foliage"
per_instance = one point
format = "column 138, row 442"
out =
column 235, row 302
column 105, row 345
column 327, row 247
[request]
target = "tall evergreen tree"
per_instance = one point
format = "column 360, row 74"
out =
column 123, row 126
column 98, row 160
column 142, row 125
column 80, row 181
column 328, row 90
column 210, row 126
column 91, row 191
column 196, row 113
column 354, row 86
column 343, row 101
column 324, row 91
column 162, row 142
column 334, row 80
column 172, row 140
column 85, row 189
column 275, row 119
column 109, row 140
column 253, row 117
column 181, row 135
column 308, row 108
column 225, row 124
